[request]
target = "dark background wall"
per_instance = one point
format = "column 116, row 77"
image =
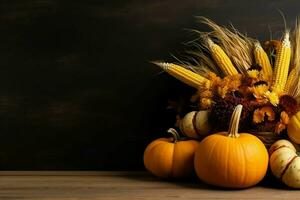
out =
column 76, row 88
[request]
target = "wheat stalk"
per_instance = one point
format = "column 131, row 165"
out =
column 237, row 46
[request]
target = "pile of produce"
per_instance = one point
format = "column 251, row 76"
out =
column 247, row 118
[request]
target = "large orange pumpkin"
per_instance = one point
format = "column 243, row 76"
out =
column 170, row 157
column 231, row 159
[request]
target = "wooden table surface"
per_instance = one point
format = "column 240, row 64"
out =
column 121, row 185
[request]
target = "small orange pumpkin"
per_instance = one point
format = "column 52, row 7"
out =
column 231, row 159
column 293, row 128
column 170, row 157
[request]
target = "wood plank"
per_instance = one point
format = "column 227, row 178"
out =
column 44, row 185
column 71, row 173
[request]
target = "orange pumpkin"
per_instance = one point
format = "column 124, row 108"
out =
column 231, row 159
column 170, row 157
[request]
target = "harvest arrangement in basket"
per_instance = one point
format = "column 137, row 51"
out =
column 247, row 94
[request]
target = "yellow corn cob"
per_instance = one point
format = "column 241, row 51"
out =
column 282, row 63
column 262, row 59
column 291, row 81
column 186, row 76
column 220, row 57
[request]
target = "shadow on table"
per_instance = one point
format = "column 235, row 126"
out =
column 268, row 182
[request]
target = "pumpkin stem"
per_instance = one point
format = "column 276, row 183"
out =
column 175, row 134
column 234, row 121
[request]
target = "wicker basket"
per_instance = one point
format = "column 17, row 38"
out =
column 268, row 138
